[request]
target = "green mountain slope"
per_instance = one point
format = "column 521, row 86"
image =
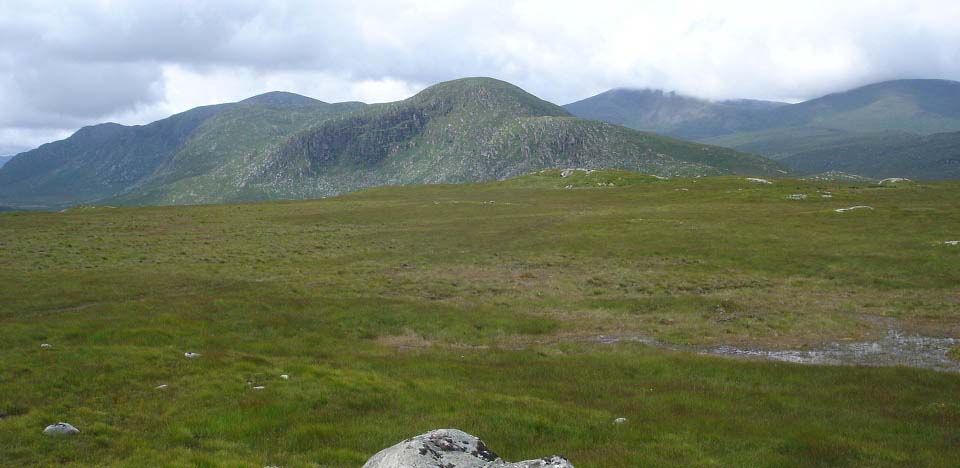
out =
column 875, row 118
column 929, row 157
column 918, row 106
column 225, row 152
column 106, row 161
column 96, row 161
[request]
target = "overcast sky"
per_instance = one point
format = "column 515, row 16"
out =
column 65, row 64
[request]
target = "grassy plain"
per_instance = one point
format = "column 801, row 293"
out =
column 400, row 310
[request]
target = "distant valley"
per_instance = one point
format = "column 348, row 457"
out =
column 903, row 128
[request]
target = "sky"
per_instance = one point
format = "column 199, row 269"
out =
column 69, row 63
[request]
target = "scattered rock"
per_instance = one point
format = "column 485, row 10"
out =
column 259, row 387
column 620, row 421
column 858, row 207
column 759, row 181
column 161, row 386
column 191, row 355
column 894, row 180
column 797, row 196
column 682, row 189
column 826, row 196
column 284, row 376
column 46, row 346
column 451, row 448
column 569, row 172
column 956, row 242
column 833, row 176
column 61, row 428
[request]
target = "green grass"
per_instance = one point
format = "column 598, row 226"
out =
column 400, row 310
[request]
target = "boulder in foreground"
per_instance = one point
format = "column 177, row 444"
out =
column 451, row 447
column 61, row 428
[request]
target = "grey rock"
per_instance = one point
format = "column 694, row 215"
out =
column 858, row 207
column 620, row 421
column 191, row 355
column 46, row 346
column 451, row 448
column 61, row 428
column 894, row 180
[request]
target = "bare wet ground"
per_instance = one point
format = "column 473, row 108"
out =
column 896, row 348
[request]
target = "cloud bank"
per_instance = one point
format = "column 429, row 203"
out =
column 65, row 64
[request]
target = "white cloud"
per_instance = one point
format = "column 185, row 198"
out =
column 66, row 64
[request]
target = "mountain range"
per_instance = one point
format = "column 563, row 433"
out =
column 902, row 128
column 282, row 145
column 285, row 146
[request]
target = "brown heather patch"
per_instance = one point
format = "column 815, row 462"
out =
column 407, row 340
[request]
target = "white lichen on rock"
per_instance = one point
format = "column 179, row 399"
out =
column 759, row 181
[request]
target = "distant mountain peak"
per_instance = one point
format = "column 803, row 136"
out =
column 281, row 99
column 485, row 95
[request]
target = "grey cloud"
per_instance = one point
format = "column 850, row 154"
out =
column 65, row 64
